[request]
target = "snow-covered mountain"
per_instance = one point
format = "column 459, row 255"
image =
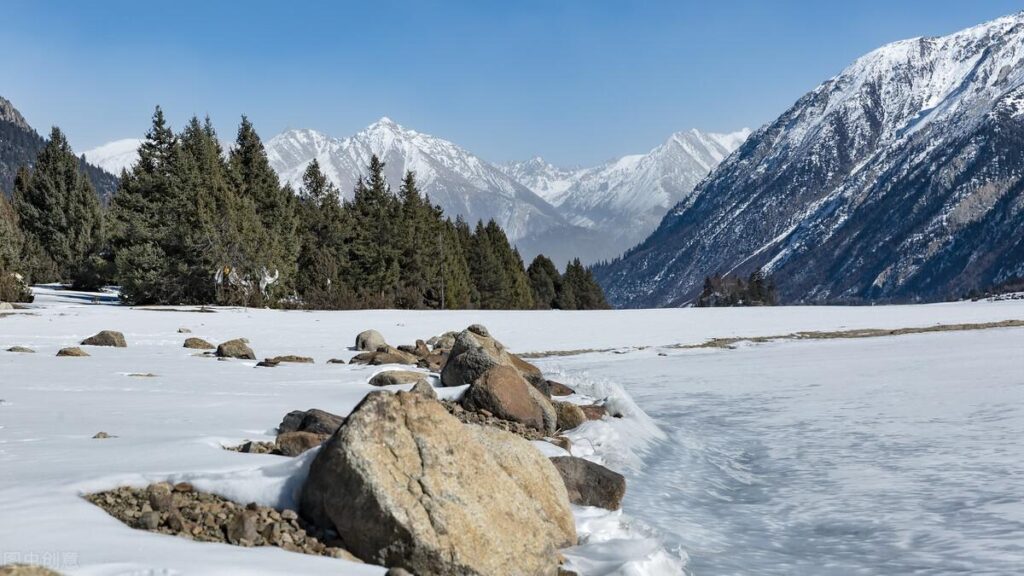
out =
column 462, row 183
column 898, row 179
column 115, row 156
column 626, row 198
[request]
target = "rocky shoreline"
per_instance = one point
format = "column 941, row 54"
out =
column 410, row 480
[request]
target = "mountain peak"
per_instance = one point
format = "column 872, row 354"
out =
column 8, row 113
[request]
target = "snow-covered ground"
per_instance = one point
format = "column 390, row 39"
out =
column 857, row 456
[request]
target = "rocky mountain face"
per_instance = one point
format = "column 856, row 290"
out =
column 900, row 179
column 462, row 183
column 19, row 145
column 625, row 199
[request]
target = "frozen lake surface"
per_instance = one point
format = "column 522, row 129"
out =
column 891, row 455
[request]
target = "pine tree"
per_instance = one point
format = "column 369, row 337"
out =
column 374, row 249
column 545, row 281
column 269, row 271
column 456, row 282
column 322, row 264
column 580, row 291
column 12, row 285
column 60, row 213
column 141, row 218
column 419, row 234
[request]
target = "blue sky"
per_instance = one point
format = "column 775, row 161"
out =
column 577, row 82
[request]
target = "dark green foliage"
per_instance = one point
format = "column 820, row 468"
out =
column 757, row 290
column 375, row 248
column 60, row 215
column 579, row 290
column 12, row 285
column 272, row 246
column 545, row 281
column 323, row 235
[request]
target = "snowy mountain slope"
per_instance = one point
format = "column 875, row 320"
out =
column 898, row 179
column 627, row 197
column 462, row 183
column 115, row 156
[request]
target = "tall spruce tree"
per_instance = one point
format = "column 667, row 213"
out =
column 60, row 214
column 142, row 216
column 487, row 270
column 12, row 273
column 322, row 266
column 374, row 251
column 580, row 291
column 420, row 237
column 270, row 267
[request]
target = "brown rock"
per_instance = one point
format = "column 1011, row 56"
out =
column 384, row 355
column 242, row 528
column 562, row 442
column 26, row 570
column 476, row 352
column 369, row 341
column 503, row 392
column 21, row 349
column 184, row 331
column 73, row 351
column 312, row 420
column 423, row 388
column 106, row 338
column 100, row 436
column 397, row 377
column 237, row 348
column 295, row 443
column 404, row 484
column 198, row 344
column 292, row 359
column 559, row 389
column 569, row 415
column 590, row 484
column 594, row 411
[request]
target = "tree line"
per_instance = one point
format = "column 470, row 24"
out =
column 190, row 224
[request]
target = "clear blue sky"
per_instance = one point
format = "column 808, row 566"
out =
column 574, row 81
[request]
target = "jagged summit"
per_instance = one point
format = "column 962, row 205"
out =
column 8, row 113
column 897, row 179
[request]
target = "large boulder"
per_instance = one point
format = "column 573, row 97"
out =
column 590, row 484
column 476, row 352
column 393, row 377
column 106, row 338
column 369, row 341
column 237, row 348
column 313, row 420
column 504, row 392
column 405, row 484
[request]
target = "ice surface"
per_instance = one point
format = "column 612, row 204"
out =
column 881, row 455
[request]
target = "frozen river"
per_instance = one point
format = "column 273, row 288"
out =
column 866, row 456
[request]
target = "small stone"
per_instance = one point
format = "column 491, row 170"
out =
column 562, row 442
column 589, row 483
column 424, row 388
column 291, row 358
column 242, row 528
column 184, row 331
column 594, row 411
column 72, row 351
column 395, row 377
column 150, row 520
column 183, row 487
column 568, row 415
column 295, row 443
column 479, row 330
column 101, row 436
column 21, row 349
column 398, row 572
column 288, row 514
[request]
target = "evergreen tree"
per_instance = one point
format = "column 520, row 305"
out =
column 12, row 279
column 580, row 291
column 517, row 294
column 420, row 248
column 374, row 249
column 457, row 284
column 141, row 218
column 322, row 265
column 269, row 269
column 60, row 213
column 545, row 281
column 487, row 271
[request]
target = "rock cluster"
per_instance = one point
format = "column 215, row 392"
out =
column 183, row 511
